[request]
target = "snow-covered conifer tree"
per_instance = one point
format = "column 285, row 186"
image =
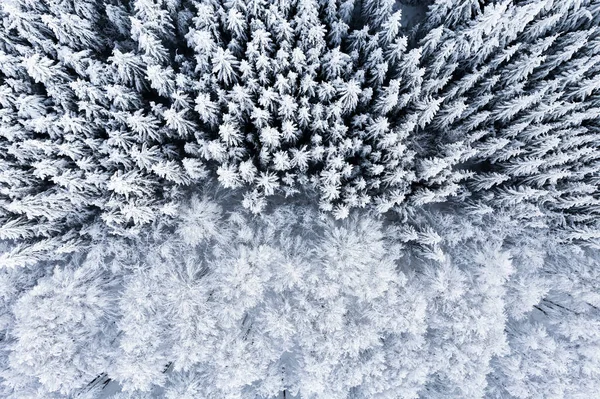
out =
column 140, row 138
column 520, row 106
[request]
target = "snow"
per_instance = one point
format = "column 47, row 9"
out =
column 240, row 199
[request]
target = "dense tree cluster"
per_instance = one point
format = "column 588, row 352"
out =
column 256, row 198
column 518, row 94
column 108, row 109
column 228, row 305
